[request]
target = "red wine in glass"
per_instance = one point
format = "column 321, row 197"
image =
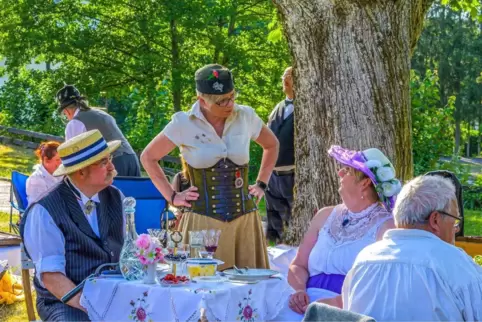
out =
column 211, row 249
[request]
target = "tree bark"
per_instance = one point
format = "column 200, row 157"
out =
column 351, row 76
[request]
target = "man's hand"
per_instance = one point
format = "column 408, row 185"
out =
column 299, row 301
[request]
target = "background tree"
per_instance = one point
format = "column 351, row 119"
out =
column 352, row 76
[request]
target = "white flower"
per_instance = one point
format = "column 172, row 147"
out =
column 385, row 174
column 370, row 164
column 391, row 188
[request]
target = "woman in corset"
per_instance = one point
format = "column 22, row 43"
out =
column 214, row 138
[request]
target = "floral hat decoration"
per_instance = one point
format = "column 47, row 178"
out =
column 375, row 165
column 214, row 79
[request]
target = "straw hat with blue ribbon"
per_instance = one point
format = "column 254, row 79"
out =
column 83, row 150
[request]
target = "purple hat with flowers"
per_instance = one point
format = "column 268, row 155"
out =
column 374, row 164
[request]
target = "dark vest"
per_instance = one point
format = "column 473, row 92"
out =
column 285, row 132
column 99, row 120
column 84, row 251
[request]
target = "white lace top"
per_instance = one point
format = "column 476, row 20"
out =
column 337, row 245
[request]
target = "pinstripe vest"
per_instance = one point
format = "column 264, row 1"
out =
column 84, row 251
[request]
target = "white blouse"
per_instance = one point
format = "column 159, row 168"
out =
column 199, row 143
column 39, row 183
column 412, row 275
column 335, row 253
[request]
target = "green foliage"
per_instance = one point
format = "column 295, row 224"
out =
column 139, row 60
column 451, row 45
column 432, row 124
column 478, row 259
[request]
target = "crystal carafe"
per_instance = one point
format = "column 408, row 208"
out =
column 130, row 266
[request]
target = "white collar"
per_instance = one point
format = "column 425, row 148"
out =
column 289, row 99
column 83, row 197
column 77, row 110
column 408, row 233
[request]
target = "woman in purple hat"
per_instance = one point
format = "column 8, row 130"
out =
column 337, row 234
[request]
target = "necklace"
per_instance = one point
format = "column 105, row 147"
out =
column 351, row 218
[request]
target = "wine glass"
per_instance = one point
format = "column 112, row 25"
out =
column 210, row 240
column 196, row 242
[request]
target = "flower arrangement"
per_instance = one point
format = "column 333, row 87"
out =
column 148, row 250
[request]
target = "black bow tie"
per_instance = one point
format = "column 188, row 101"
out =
column 288, row 102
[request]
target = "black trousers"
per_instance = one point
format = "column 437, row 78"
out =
column 56, row 311
column 127, row 165
column 279, row 203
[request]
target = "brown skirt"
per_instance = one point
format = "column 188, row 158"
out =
column 241, row 243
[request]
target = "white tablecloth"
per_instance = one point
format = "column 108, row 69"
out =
column 114, row 299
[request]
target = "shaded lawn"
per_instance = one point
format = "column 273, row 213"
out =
column 15, row 158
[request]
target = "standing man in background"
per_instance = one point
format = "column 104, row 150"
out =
column 82, row 118
column 279, row 196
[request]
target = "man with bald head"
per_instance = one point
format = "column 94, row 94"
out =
column 279, row 196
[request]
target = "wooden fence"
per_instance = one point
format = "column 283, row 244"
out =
column 31, row 140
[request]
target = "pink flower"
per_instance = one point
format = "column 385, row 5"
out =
column 141, row 314
column 143, row 241
column 248, row 312
column 215, row 73
column 143, row 260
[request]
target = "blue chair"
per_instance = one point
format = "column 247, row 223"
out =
column 18, row 191
column 150, row 204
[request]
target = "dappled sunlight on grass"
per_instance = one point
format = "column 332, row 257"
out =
column 15, row 158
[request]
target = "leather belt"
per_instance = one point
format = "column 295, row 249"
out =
column 284, row 173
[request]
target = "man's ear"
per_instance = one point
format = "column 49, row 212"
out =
column 434, row 222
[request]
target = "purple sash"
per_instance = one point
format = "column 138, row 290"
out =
column 330, row 282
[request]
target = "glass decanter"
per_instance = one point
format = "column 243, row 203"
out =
column 130, row 266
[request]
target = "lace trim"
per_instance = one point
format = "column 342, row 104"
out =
column 346, row 226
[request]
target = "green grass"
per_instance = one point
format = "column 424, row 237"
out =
column 473, row 223
column 15, row 158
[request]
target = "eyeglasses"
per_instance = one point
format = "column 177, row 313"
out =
column 457, row 219
column 225, row 102
column 103, row 162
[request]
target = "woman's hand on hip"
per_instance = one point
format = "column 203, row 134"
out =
column 257, row 192
column 183, row 198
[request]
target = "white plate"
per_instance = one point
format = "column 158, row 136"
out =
column 174, row 285
column 204, row 261
column 250, row 274
column 209, row 279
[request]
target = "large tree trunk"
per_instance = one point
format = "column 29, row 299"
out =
column 352, row 72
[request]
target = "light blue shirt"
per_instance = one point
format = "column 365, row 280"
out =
column 44, row 240
column 412, row 275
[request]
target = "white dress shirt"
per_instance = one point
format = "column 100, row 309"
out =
column 44, row 240
column 412, row 275
column 74, row 127
column 289, row 108
column 40, row 183
column 202, row 147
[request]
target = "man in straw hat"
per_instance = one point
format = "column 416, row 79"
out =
column 76, row 227
column 82, row 118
